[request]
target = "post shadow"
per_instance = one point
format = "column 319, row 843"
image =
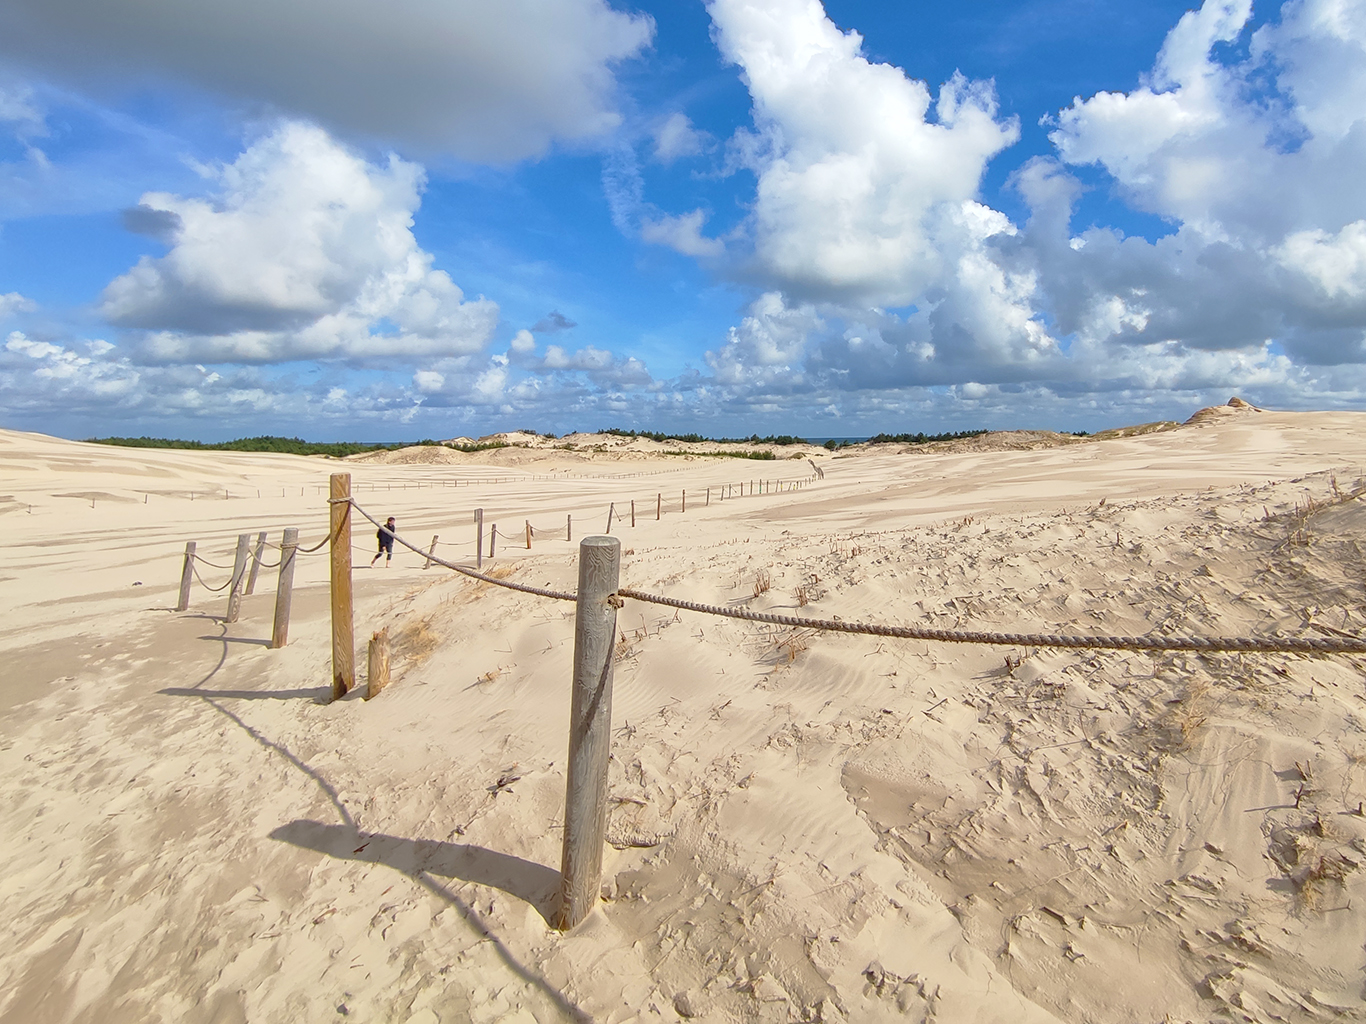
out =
column 532, row 883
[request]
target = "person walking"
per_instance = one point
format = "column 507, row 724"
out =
column 386, row 543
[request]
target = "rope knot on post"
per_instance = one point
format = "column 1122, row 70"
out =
column 615, row 600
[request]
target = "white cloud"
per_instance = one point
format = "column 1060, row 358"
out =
column 682, row 233
column 770, row 343
column 1336, row 263
column 306, row 252
column 482, row 81
column 13, row 302
column 522, row 342
column 675, row 138
column 860, row 193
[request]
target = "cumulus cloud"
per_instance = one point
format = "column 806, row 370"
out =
column 862, row 194
column 485, row 82
column 305, row 252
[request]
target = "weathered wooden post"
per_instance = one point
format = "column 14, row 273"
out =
column 708, row 504
column 528, row 534
column 432, row 553
column 633, row 513
column 284, row 589
column 493, row 540
column 590, row 729
column 343, row 625
column 186, row 577
column 684, row 506
column 256, row 554
column 611, row 510
column 478, row 538
column 377, row 667
column 569, row 527
column 239, row 570
column 659, row 506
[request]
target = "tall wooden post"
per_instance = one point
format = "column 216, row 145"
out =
column 633, row 512
column 377, row 666
column 611, row 510
column 432, row 553
column 569, row 527
column 284, row 589
column 343, row 624
column 659, row 506
column 528, row 534
column 186, row 577
column 478, row 538
column 684, row 506
column 256, row 554
column 493, row 540
column 239, row 571
column 590, row 729
column 708, row 504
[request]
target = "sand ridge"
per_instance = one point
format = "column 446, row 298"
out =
column 804, row 826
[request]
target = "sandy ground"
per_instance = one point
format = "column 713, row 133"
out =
column 804, row 826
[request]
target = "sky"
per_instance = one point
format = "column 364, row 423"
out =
column 345, row 219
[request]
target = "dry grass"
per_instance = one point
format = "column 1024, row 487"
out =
column 803, row 597
column 763, row 582
column 415, row 642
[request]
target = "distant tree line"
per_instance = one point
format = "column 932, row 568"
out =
column 919, row 437
column 655, row 435
column 287, row 445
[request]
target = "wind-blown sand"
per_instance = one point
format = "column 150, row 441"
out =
column 804, row 826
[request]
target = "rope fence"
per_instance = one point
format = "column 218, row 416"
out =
column 597, row 599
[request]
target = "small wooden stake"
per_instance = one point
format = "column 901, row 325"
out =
column 343, row 623
column 685, row 500
column 590, row 730
column 239, row 571
column 493, row 540
column 633, row 512
column 528, row 534
column 569, row 528
column 256, row 561
column 659, row 506
column 284, row 589
column 478, row 538
column 377, row 670
column 186, row 576
column 432, row 553
column 708, row 504
column 611, row 510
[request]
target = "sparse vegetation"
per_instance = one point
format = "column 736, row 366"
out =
column 653, row 435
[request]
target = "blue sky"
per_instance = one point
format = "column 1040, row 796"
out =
column 431, row 218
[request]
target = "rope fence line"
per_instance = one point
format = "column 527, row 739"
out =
column 212, row 590
column 1251, row 645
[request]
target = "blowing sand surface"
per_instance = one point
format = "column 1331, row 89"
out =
column 804, row 826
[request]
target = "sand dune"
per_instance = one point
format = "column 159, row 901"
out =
column 805, row 826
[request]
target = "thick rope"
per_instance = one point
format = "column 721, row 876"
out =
column 558, row 595
column 212, row 590
column 214, row 565
column 1260, row 645
column 1254, row 645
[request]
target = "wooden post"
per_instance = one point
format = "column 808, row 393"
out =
column 528, row 534
column 478, row 538
column 186, row 577
column 590, row 730
column 377, row 669
column 708, row 504
column 256, row 561
column 493, row 540
column 611, row 510
column 239, row 571
column 284, row 589
column 633, row 512
column 569, row 528
column 659, row 506
column 431, row 554
column 343, row 624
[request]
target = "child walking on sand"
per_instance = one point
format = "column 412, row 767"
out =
column 386, row 543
